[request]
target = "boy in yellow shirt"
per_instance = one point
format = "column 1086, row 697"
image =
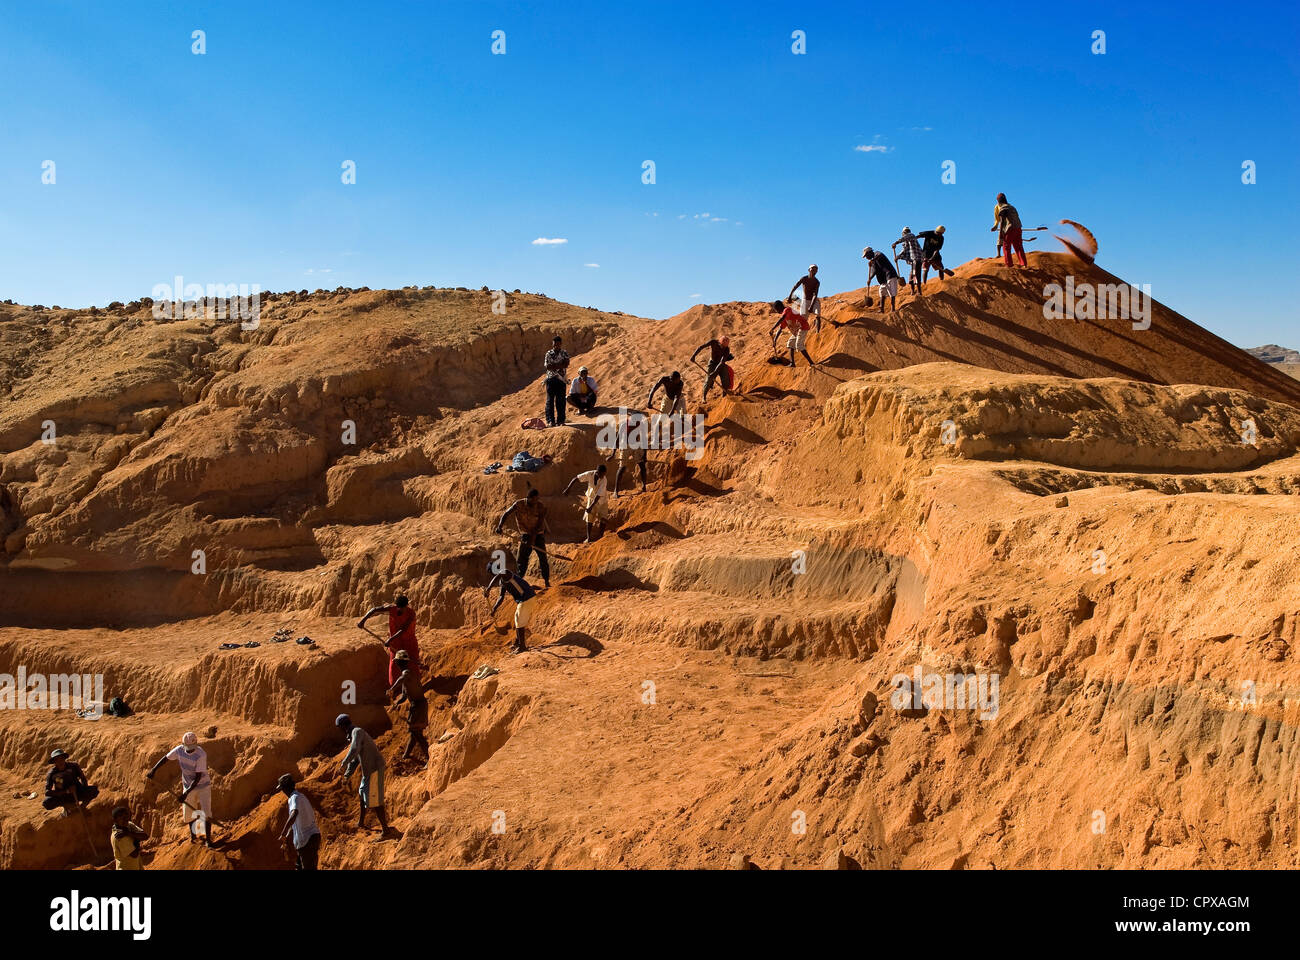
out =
column 125, row 840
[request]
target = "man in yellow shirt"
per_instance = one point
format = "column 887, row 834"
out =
column 125, row 840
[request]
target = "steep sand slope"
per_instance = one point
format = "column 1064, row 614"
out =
column 963, row 486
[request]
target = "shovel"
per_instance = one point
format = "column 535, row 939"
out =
column 85, row 822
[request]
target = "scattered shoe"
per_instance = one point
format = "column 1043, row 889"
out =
column 229, row 646
column 252, row 643
column 485, row 671
column 305, row 641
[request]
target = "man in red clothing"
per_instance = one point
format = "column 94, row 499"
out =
column 1006, row 221
column 797, row 324
column 401, row 636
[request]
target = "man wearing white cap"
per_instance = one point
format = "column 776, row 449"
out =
column 882, row 271
column 196, row 785
column 582, row 392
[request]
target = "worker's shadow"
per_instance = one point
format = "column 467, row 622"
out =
column 778, row 393
column 612, row 580
column 730, row 428
column 574, row 638
column 655, row 526
column 847, row 361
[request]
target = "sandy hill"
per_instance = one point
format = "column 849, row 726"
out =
column 1089, row 512
column 1280, row 358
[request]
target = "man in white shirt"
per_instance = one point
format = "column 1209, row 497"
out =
column 196, row 785
column 582, row 392
column 300, row 830
column 595, row 503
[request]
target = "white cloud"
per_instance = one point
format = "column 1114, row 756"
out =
column 591, row 264
column 872, row 148
column 696, row 296
column 548, row 241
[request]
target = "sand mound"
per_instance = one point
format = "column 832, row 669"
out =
column 1089, row 511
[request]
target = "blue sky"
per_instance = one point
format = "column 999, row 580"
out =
column 225, row 167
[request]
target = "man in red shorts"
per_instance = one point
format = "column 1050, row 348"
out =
column 797, row 324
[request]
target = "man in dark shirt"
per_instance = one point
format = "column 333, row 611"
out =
column 525, row 597
column 65, row 784
column 719, row 354
column 530, row 518
column 930, row 256
column 882, row 271
column 556, row 362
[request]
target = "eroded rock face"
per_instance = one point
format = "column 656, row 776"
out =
column 1083, row 530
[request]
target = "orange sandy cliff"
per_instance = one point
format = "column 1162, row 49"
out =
column 1096, row 534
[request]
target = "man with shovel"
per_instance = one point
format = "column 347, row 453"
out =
column 810, row 304
column 911, row 255
column 125, row 839
column 195, row 783
column 66, row 786
column 1006, row 221
column 364, row 753
column 797, row 324
column 882, row 271
column 631, row 450
column 525, row 597
column 401, row 634
column 300, row 831
column 595, row 506
column 530, row 518
column 719, row 353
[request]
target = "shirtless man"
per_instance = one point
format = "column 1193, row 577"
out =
column 812, row 303
column 410, row 690
column 719, row 354
column 631, row 450
column 530, row 518
column 674, row 401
